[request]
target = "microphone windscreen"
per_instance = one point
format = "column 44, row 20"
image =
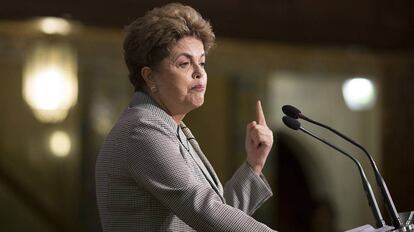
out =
column 291, row 111
column 291, row 123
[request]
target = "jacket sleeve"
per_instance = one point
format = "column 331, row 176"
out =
column 155, row 162
column 246, row 190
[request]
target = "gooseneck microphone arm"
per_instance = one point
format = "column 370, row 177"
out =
column 389, row 204
column 295, row 125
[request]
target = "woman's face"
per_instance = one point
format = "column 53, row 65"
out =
column 180, row 78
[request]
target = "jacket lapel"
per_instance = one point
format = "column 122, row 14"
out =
column 215, row 180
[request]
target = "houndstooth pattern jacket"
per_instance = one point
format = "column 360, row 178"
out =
column 149, row 180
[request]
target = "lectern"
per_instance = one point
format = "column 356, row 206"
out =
column 406, row 217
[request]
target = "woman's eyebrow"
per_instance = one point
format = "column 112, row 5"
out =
column 186, row 54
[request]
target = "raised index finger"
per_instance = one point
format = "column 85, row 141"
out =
column 260, row 118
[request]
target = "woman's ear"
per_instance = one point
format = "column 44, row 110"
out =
column 146, row 73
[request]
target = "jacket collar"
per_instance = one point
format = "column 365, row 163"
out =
column 143, row 100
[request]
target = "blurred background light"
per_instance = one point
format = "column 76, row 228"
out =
column 359, row 93
column 53, row 25
column 50, row 84
column 60, row 144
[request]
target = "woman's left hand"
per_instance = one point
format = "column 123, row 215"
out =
column 259, row 141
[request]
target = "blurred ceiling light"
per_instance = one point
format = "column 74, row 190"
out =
column 59, row 143
column 359, row 93
column 50, row 84
column 52, row 25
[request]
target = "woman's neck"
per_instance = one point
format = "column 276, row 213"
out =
column 176, row 117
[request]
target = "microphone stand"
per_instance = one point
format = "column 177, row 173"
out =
column 295, row 125
column 367, row 187
column 396, row 221
column 407, row 227
column 395, row 216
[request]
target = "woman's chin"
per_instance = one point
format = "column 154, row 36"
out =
column 198, row 102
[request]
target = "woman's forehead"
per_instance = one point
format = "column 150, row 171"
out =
column 188, row 46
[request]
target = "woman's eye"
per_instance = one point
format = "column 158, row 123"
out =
column 184, row 64
column 203, row 64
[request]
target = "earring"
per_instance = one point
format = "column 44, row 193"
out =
column 153, row 88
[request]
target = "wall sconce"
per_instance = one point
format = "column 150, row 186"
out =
column 359, row 93
column 50, row 84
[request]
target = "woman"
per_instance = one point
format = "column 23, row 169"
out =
column 151, row 174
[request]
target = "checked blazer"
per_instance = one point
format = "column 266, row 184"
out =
column 151, row 175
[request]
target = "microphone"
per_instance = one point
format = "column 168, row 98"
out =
column 295, row 125
column 293, row 112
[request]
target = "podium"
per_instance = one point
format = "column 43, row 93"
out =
column 406, row 217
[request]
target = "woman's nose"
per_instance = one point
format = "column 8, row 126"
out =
column 198, row 71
